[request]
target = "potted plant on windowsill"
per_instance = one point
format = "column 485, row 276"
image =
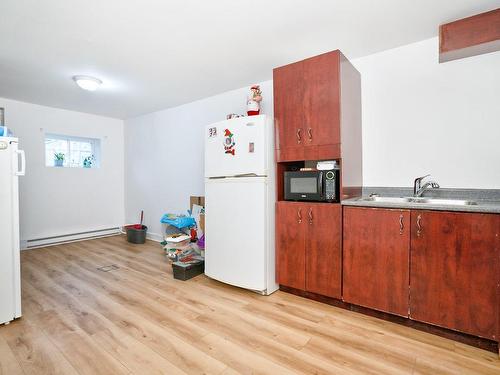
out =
column 59, row 159
column 88, row 161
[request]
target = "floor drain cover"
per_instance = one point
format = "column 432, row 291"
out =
column 111, row 267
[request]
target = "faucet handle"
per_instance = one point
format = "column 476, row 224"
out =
column 421, row 178
column 417, row 184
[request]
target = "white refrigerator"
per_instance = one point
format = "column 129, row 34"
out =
column 239, row 203
column 12, row 165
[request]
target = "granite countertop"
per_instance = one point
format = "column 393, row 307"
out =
column 488, row 200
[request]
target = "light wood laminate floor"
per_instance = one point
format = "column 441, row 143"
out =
column 139, row 320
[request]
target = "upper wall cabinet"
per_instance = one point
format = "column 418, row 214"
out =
column 470, row 36
column 321, row 101
column 315, row 102
column 288, row 103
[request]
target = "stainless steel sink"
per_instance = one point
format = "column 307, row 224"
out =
column 420, row 200
column 439, row 201
column 388, row 199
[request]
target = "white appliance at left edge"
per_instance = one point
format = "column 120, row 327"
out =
column 240, row 195
column 12, row 165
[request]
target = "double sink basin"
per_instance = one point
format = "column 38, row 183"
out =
column 420, row 200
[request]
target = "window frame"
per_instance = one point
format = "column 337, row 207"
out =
column 95, row 149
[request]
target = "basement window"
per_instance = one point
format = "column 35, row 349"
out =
column 72, row 152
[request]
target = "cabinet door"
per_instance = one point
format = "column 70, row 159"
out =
column 290, row 240
column 288, row 86
column 376, row 252
column 455, row 271
column 322, row 99
column 323, row 249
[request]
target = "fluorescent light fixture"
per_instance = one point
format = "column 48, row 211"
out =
column 87, row 83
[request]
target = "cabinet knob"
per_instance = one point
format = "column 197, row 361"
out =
column 401, row 225
column 310, row 134
column 299, row 215
column 310, row 214
column 299, row 136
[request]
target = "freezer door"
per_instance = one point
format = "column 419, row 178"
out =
column 236, row 226
column 7, row 276
column 238, row 146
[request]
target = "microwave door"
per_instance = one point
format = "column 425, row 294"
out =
column 302, row 186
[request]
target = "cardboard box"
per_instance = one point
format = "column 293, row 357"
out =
column 200, row 201
column 202, row 222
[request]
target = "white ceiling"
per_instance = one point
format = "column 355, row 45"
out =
column 153, row 55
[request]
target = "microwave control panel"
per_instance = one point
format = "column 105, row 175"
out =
column 330, row 186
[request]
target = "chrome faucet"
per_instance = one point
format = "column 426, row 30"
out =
column 419, row 189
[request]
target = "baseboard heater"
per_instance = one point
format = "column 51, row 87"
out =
column 65, row 238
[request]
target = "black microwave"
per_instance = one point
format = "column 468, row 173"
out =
column 319, row 186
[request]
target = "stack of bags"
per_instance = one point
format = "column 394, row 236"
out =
column 184, row 240
column 177, row 239
column 179, row 243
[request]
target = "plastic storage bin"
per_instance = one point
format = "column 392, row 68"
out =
column 135, row 235
column 187, row 271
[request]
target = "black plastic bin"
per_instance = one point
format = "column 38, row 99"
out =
column 187, row 271
column 136, row 235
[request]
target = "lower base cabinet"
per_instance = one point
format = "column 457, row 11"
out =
column 290, row 245
column 308, row 247
column 443, row 268
column 455, row 271
column 376, row 253
column 324, row 249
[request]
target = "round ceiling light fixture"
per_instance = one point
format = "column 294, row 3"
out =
column 87, row 83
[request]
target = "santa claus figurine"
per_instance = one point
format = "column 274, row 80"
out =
column 253, row 101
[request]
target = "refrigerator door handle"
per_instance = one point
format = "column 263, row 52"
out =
column 22, row 171
column 247, row 175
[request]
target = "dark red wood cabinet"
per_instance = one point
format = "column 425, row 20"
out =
column 376, row 251
column 288, row 87
column 443, row 268
column 290, row 244
column 308, row 247
column 470, row 36
column 307, row 108
column 455, row 271
column 323, row 249
column 437, row 267
column 321, row 102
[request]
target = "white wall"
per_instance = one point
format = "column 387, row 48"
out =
column 164, row 154
column 422, row 117
column 418, row 117
column 58, row 201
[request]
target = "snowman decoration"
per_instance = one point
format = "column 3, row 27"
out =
column 229, row 142
column 253, row 100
